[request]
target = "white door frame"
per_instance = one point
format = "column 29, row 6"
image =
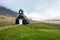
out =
column 20, row 21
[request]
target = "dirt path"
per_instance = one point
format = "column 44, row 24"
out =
column 7, row 27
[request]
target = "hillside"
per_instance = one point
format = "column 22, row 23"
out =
column 30, row 32
column 7, row 16
column 7, row 12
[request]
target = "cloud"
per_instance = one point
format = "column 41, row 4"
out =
column 35, row 9
column 58, row 2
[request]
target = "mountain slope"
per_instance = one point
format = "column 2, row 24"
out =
column 7, row 12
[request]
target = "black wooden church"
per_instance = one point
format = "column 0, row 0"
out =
column 22, row 19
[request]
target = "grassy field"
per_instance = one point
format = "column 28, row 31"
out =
column 6, row 21
column 31, row 31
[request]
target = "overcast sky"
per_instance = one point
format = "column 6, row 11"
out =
column 35, row 9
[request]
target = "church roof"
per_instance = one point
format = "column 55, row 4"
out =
column 22, row 17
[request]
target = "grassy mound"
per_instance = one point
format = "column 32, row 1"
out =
column 30, row 32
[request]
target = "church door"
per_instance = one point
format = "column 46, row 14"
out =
column 20, row 21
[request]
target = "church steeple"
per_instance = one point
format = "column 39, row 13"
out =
column 20, row 11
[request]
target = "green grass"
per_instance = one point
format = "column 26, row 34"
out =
column 6, row 23
column 31, row 32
